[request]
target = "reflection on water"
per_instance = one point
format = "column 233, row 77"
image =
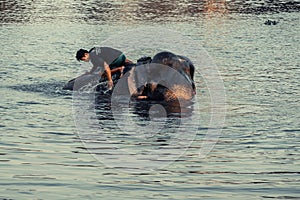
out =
column 133, row 10
column 143, row 136
column 142, row 108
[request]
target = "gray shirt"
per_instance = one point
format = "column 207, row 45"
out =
column 99, row 55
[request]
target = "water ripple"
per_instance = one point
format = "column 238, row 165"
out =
column 154, row 11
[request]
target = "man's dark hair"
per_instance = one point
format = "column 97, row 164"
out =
column 80, row 53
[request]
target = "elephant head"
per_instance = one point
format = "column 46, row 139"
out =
column 167, row 77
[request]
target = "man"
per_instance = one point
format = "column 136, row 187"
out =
column 103, row 59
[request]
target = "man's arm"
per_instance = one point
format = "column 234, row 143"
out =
column 108, row 75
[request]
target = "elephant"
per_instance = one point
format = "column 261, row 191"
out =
column 165, row 77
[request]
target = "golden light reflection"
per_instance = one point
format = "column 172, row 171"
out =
column 215, row 6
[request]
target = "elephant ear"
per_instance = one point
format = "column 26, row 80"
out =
column 136, row 79
column 189, row 65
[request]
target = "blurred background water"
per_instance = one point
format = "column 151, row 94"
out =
column 257, row 155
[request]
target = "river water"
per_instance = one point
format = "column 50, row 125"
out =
column 238, row 140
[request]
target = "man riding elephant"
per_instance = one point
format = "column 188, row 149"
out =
column 104, row 59
column 166, row 77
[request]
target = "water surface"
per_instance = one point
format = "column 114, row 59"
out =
column 257, row 154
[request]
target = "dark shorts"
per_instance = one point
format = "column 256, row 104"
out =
column 120, row 61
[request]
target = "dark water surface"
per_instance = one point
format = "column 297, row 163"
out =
column 45, row 132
